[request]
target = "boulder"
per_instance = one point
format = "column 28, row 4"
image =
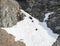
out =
column 7, row 39
column 9, row 13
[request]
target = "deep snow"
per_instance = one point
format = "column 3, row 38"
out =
column 32, row 33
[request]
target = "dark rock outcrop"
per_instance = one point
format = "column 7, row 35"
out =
column 7, row 39
column 38, row 8
column 53, row 22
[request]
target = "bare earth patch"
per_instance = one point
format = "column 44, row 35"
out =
column 7, row 39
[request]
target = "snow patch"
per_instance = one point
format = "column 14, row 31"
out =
column 25, row 31
column 47, row 15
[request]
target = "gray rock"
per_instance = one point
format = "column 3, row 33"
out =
column 37, row 8
column 53, row 22
column 9, row 13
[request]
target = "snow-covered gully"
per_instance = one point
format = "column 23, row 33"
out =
column 32, row 32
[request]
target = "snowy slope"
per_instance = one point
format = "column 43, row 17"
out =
column 32, row 32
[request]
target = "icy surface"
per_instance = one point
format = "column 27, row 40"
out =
column 32, row 33
column 47, row 15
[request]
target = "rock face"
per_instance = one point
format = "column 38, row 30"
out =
column 53, row 22
column 9, row 13
column 8, row 39
column 37, row 8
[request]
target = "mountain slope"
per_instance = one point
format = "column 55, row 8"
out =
column 32, row 32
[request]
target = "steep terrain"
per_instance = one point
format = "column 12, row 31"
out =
column 26, row 27
column 38, row 9
column 32, row 32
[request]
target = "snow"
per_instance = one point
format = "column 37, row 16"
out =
column 47, row 15
column 25, row 31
